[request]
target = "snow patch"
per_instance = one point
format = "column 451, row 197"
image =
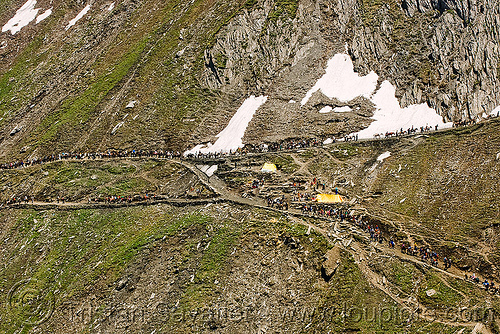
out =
column 180, row 53
column 430, row 292
column 111, row 7
column 292, row 101
column 495, row 111
column 341, row 82
column 117, row 126
column 231, row 137
column 208, row 170
column 44, row 15
column 383, row 156
column 325, row 110
column 389, row 116
column 342, row 109
column 328, row 109
column 22, row 18
column 328, row 141
column 131, row 104
column 78, row 17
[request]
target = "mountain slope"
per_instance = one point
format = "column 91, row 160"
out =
column 189, row 66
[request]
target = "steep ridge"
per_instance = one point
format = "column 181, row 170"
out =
column 164, row 266
column 163, row 233
column 148, row 74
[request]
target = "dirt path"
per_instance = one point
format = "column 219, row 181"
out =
column 343, row 234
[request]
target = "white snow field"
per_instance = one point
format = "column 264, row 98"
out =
column 230, row 138
column 208, row 170
column 325, row 110
column 341, row 82
column 495, row 111
column 328, row 109
column 342, row 109
column 24, row 15
column 43, row 16
column 111, row 7
column 383, row 156
column 389, row 116
column 78, row 17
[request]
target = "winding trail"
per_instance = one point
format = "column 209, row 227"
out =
column 346, row 235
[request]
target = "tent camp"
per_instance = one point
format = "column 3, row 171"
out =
column 329, row 198
column 269, row 168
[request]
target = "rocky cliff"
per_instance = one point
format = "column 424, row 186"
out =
column 148, row 74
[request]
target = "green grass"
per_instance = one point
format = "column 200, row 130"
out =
column 249, row 4
column 76, row 181
column 83, row 248
column 450, row 181
column 369, row 9
column 356, row 304
column 211, row 263
column 305, row 156
column 11, row 97
column 403, row 275
column 346, row 151
column 445, row 297
column 283, row 9
column 285, row 163
column 78, row 110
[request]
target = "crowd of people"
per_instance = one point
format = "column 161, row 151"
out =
column 279, row 203
column 303, row 196
column 414, row 130
column 375, row 233
column 332, row 211
column 110, row 199
column 127, row 199
column 487, row 285
column 348, row 138
column 463, row 123
column 425, row 254
column 410, row 131
column 293, row 144
column 345, row 214
column 257, row 184
column 288, row 144
column 20, row 200
column 92, row 156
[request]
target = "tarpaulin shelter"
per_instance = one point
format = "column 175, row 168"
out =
column 269, row 168
column 329, row 198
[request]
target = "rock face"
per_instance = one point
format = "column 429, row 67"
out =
column 190, row 67
column 443, row 53
column 331, row 264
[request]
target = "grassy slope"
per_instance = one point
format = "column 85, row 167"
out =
column 86, row 249
column 145, row 47
column 70, row 254
column 450, row 181
column 67, row 252
column 76, row 181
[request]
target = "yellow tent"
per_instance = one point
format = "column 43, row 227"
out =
column 269, row 168
column 328, row 198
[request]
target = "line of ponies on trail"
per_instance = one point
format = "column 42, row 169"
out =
column 285, row 145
